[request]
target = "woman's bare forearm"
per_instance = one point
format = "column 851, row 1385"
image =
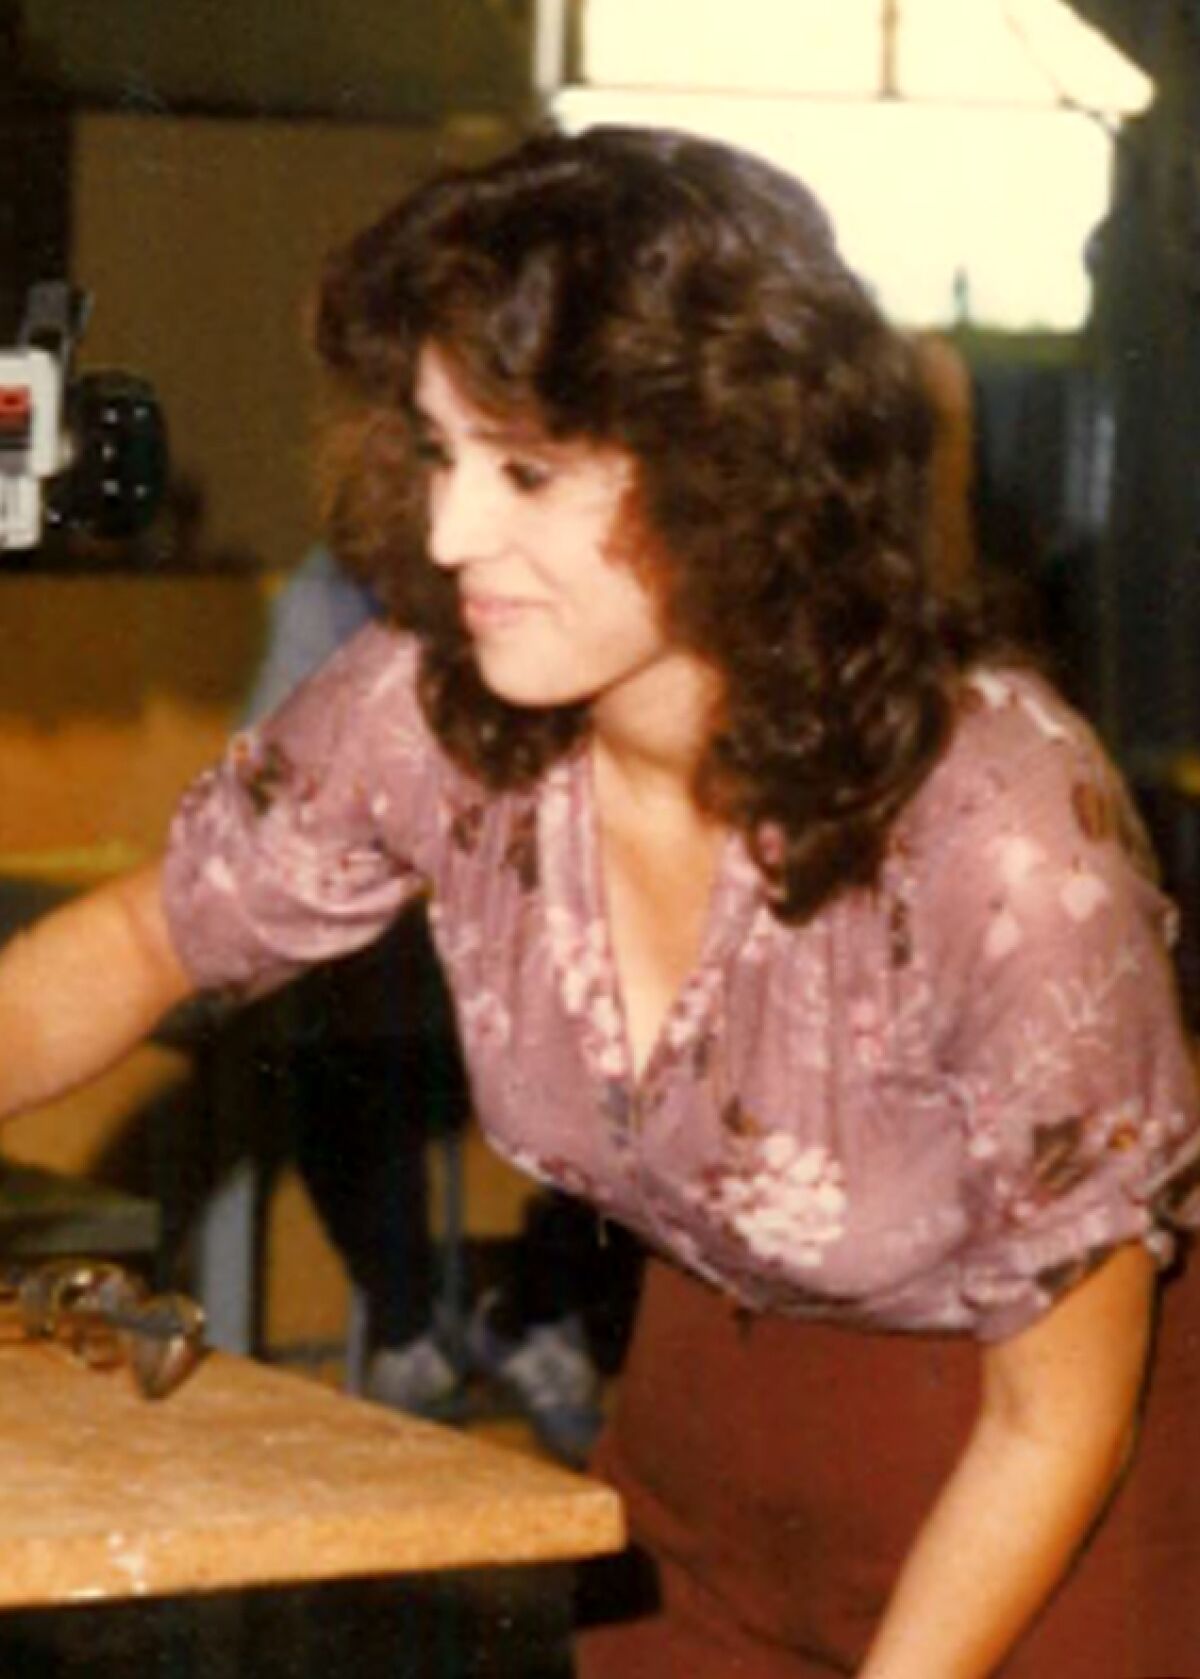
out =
column 82, row 987
column 1055, row 1429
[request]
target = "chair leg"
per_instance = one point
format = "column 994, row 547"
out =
column 356, row 1341
column 453, row 1305
column 227, row 1262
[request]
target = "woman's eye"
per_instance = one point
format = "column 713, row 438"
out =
column 432, row 454
column 527, row 476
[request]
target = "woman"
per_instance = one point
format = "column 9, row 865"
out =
column 780, row 925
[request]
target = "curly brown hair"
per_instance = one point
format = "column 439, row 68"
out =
column 687, row 303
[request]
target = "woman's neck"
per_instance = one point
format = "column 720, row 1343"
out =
column 648, row 740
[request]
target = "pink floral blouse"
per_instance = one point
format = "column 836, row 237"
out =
column 932, row 1108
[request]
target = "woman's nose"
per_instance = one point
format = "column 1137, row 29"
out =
column 463, row 522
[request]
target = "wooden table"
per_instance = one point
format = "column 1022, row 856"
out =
column 247, row 1476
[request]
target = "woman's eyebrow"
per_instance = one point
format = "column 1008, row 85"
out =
column 497, row 431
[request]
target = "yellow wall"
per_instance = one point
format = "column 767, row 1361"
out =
column 114, row 690
column 201, row 241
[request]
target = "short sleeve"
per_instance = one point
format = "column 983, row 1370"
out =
column 1057, row 1023
column 305, row 841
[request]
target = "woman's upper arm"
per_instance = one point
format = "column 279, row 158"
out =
column 1057, row 1026
column 1074, row 1375
column 1052, row 1434
column 303, row 843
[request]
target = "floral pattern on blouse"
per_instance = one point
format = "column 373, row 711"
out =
column 935, row 1106
column 784, row 1201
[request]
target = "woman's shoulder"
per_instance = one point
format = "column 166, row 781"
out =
column 353, row 736
column 1017, row 751
column 378, row 657
column 1024, row 777
column 364, row 694
column 1012, row 714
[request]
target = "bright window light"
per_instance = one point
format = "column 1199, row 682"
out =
column 1024, row 52
column 946, row 213
column 1005, row 51
column 821, row 47
column 969, row 192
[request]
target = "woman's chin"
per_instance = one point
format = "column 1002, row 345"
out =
column 529, row 688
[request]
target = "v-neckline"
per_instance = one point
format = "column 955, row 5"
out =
column 572, row 869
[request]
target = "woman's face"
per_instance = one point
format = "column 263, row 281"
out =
column 536, row 532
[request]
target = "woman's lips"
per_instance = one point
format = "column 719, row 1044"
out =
column 488, row 614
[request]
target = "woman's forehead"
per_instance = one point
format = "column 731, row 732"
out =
column 442, row 398
column 441, row 393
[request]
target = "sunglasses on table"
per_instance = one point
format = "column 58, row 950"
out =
column 105, row 1316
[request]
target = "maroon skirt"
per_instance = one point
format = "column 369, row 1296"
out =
column 776, row 1472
